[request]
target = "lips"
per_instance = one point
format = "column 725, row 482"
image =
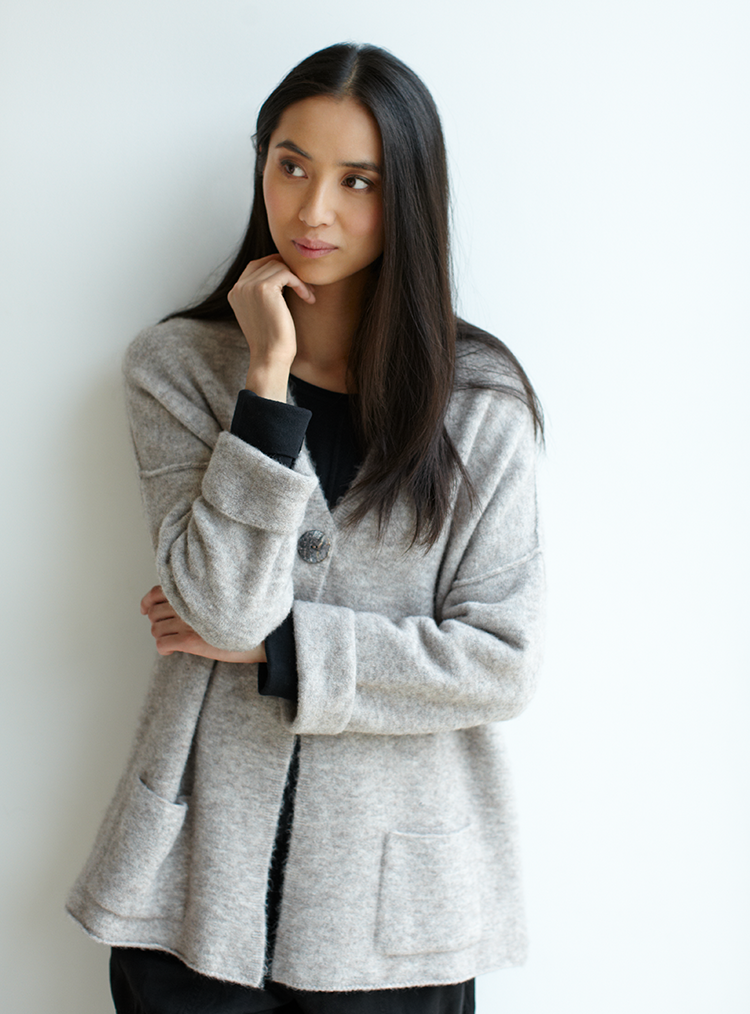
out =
column 313, row 247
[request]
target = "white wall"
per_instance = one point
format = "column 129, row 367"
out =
column 600, row 154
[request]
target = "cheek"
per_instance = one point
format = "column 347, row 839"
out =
column 370, row 228
column 274, row 201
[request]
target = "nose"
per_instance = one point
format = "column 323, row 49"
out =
column 318, row 207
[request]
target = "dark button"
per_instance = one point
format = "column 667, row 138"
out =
column 314, row 546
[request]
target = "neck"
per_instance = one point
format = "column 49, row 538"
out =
column 325, row 330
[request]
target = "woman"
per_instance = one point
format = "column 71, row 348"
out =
column 339, row 480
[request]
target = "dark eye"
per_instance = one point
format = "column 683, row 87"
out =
column 292, row 169
column 358, row 182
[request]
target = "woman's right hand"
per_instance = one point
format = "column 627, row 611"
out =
column 257, row 300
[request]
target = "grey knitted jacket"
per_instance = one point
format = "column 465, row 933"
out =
column 403, row 867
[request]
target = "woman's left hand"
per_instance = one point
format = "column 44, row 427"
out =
column 173, row 634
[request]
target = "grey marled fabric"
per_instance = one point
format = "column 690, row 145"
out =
column 403, row 865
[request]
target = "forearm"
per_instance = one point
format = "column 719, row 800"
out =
column 225, row 557
column 363, row 672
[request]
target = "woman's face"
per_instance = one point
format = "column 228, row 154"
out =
column 322, row 189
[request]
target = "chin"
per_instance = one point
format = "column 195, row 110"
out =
column 314, row 275
column 321, row 276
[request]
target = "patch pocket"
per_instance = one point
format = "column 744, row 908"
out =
column 429, row 899
column 127, row 869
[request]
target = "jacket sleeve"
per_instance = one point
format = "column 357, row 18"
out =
column 473, row 661
column 223, row 516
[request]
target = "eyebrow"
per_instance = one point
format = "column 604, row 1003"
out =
column 291, row 146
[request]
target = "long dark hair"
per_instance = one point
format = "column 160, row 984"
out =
column 403, row 357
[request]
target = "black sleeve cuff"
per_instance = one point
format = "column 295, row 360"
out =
column 275, row 428
column 278, row 676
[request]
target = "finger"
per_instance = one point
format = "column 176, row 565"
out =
column 274, row 269
column 172, row 639
column 171, row 625
column 254, row 266
column 161, row 611
column 166, row 644
column 286, row 278
column 303, row 290
column 151, row 597
column 163, row 647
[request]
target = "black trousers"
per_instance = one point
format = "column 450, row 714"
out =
column 153, row 982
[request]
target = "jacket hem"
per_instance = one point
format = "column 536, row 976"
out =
column 291, row 982
column 426, row 981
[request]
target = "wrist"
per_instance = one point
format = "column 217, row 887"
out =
column 268, row 381
column 254, row 655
